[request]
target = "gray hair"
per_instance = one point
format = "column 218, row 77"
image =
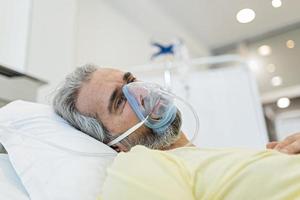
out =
column 64, row 103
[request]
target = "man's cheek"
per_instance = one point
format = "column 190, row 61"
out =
column 129, row 115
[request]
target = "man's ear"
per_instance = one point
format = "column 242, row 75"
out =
column 119, row 147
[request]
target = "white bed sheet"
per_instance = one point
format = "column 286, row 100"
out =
column 11, row 187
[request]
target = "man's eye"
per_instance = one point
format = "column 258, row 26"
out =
column 120, row 101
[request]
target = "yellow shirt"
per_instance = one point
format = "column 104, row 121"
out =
column 208, row 174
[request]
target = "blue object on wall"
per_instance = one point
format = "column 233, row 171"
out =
column 163, row 50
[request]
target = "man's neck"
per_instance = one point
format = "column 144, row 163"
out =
column 181, row 142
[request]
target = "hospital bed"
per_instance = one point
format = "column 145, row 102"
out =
column 48, row 159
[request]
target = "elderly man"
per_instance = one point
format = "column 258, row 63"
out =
column 91, row 99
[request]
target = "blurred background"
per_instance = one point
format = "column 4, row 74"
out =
column 236, row 61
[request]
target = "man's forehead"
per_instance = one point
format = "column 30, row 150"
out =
column 95, row 94
column 107, row 74
column 104, row 81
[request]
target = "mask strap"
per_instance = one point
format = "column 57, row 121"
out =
column 127, row 133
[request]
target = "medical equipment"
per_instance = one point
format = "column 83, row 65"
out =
column 154, row 106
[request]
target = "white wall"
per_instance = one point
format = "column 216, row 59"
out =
column 108, row 36
column 153, row 17
column 52, row 42
column 69, row 33
column 14, row 25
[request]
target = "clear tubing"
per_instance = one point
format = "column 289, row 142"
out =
column 197, row 121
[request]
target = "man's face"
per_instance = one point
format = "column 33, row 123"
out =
column 103, row 98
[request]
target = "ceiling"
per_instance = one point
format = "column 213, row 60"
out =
column 212, row 22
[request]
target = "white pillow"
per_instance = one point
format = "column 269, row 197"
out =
column 45, row 152
column 11, row 187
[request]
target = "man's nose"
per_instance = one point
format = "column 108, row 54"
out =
column 140, row 94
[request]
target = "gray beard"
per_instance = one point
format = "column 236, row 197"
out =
column 156, row 141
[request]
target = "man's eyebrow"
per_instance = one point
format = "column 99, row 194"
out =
column 111, row 100
column 126, row 76
column 113, row 96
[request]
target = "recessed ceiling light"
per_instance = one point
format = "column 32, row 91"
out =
column 283, row 102
column 290, row 44
column 271, row 68
column 264, row 50
column 276, row 81
column 276, row 3
column 245, row 15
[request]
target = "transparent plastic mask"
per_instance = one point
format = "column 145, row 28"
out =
column 151, row 101
column 155, row 107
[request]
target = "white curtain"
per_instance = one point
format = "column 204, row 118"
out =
column 287, row 123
